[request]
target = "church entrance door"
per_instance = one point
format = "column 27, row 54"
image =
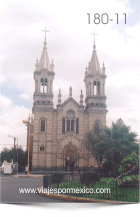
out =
column 70, row 158
column 69, row 165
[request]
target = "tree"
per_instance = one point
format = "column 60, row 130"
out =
column 95, row 145
column 7, row 154
column 130, row 163
column 120, row 142
column 112, row 144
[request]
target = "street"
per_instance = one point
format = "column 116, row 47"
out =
column 10, row 190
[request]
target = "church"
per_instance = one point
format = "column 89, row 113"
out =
column 57, row 133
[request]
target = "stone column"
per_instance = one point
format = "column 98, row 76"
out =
column 48, row 87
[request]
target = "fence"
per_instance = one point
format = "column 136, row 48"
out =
column 126, row 192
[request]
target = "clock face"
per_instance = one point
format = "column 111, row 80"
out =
column 70, row 114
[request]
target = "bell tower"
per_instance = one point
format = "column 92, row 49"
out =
column 95, row 91
column 43, row 76
column 43, row 140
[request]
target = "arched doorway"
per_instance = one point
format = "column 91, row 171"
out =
column 70, row 158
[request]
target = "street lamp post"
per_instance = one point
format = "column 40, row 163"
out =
column 27, row 123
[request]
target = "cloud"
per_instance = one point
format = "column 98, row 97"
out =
column 11, row 122
column 70, row 45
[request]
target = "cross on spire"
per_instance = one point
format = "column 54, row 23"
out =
column 94, row 46
column 94, row 35
column 45, row 35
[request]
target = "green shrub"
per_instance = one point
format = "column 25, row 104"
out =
column 57, row 177
column 133, row 183
column 89, row 177
column 129, row 162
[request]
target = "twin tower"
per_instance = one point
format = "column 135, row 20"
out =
column 58, row 132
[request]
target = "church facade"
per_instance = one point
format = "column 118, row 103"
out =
column 58, row 132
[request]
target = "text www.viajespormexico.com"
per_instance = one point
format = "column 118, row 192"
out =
column 64, row 190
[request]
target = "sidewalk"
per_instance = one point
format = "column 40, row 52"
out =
column 22, row 175
column 40, row 175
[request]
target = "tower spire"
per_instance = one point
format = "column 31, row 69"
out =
column 94, row 65
column 44, row 62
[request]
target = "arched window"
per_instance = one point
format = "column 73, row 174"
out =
column 41, row 148
column 51, row 87
column 42, row 126
column 63, row 125
column 103, row 89
column 41, row 85
column 68, row 125
column 72, row 125
column 45, row 85
column 97, row 128
column 77, row 125
column 89, row 88
column 42, row 81
column 95, row 88
column 98, row 88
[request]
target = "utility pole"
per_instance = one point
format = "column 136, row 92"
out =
column 17, row 155
column 14, row 149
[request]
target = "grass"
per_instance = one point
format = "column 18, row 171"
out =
column 121, row 194
column 124, row 178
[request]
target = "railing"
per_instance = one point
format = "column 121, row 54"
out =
column 105, row 190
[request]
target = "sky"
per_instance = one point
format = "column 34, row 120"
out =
column 70, row 45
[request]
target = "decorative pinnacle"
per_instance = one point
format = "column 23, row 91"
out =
column 103, row 65
column 70, row 92
column 103, row 68
column 59, row 94
column 81, row 97
column 59, row 97
column 52, row 65
column 36, row 63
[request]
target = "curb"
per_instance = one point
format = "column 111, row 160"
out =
column 77, row 199
column 24, row 176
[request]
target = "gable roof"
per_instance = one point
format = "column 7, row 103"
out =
column 70, row 100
